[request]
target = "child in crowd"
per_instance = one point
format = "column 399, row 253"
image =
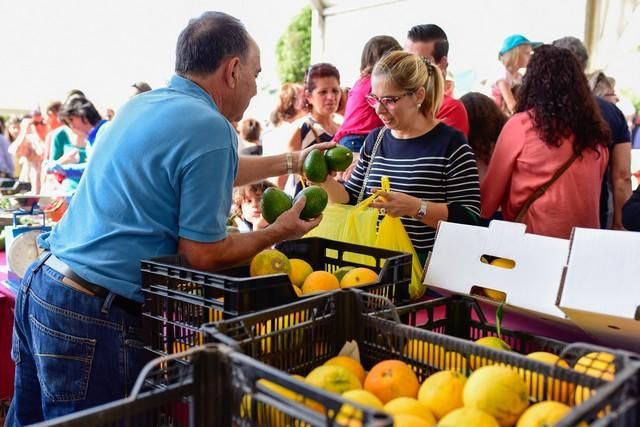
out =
column 359, row 117
column 514, row 55
column 246, row 213
column 250, row 131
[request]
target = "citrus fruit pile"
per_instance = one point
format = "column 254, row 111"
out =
column 304, row 279
column 492, row 396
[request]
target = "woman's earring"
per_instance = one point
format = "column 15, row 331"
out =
column 419, row 105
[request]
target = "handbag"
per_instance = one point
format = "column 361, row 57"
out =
column 544, row 187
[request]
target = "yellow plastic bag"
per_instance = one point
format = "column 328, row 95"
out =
column 393, row 236
column 350, row 224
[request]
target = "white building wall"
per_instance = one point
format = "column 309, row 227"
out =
column 475, row 29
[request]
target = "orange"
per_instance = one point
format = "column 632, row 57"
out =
column 596, row 364
column 334, row 379
column 441, row 393
column 298, row 291
column 493, row 342
column 358, row 277
column 349, row 414
column 463, row 417
column 300, row 269
column 560, row 391
column 499, row 391
column 351, row 364
column 269, row 261
column 410, row 406
column 408, row 421
column 390, row 379
column 544, row 414
column 320, row 281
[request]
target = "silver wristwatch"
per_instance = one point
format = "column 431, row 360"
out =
column 422, row 210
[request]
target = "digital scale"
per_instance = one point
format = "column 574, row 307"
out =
column 21, row 239
column 21, row 244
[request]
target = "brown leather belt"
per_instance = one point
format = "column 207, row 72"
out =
column 78, row 283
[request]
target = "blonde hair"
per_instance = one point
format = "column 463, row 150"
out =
column 511, row 58
column 411, row 72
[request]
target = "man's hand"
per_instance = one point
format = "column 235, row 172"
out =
column 290, row 226
column 299, row 156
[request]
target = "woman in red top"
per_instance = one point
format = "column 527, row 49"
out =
column 556, row 117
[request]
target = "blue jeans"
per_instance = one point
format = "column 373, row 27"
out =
column 72, row 350
column 353, row 142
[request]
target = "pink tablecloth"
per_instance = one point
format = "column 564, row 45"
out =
column 7, row 300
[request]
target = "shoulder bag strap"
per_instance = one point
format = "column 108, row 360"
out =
column 373, row 153
column 313, row 129
column 544, row 187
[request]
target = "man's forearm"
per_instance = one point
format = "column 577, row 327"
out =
column 236, row 248
column 255, row 168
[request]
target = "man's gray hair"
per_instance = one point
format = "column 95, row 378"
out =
column 576, row 47
column 207, row 40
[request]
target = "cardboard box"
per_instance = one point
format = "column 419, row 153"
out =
column 601, row 289
column 530, row 287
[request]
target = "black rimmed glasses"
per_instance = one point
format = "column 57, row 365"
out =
column 389, row 102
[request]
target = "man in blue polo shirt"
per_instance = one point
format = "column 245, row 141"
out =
column 159, row 182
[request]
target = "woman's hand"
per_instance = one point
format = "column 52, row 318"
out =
column 396, row 204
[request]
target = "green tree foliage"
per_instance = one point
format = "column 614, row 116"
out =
column 293, row 50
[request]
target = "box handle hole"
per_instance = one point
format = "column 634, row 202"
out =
column 495, row 261
column 492, row 294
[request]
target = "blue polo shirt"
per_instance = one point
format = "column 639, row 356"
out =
column 163, row 169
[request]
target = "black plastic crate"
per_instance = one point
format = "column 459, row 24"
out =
column 179, row 299
column 461, row 316
column 217, row 387
column 326, row 322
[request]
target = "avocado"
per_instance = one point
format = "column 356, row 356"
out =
column 274, row 202
column 317, row 200
column 315, row 166
column 339, row 273
column 338, row 158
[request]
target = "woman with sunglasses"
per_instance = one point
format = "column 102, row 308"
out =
column 431, row 167
column 322, row 95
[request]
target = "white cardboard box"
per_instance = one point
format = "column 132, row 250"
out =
column 530, row 287
column 601, row 289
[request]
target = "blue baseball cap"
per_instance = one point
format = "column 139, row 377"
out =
column 514, row 41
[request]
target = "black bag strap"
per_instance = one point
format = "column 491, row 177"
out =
column 544, row 187
column 373, row 153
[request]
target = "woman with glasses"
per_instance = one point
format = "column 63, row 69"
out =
column 431, row 167
column 322, row 95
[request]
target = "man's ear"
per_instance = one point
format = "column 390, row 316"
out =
column 443, row 64
column 231, row 70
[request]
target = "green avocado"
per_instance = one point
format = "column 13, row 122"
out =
column 339, row 273
column 338, row 158
column 315, row 166
column 274, row 202
column 317, row 200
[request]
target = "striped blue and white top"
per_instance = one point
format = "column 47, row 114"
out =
column 438, row 166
